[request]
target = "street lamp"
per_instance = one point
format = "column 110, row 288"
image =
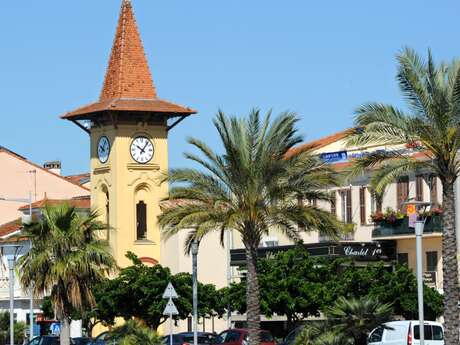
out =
column 31, row 312
column 419, row 226
column 195, row 245
column 11, row 252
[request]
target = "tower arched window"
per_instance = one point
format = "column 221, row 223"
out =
column 141, row 220
column 107, row 213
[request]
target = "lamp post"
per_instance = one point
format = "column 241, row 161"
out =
column 31, row 312
column 11, row 252
column 195, row 245
column 419, row 226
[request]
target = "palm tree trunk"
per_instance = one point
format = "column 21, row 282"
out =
column 450, row 266
column 252, row 297
column 65, row 331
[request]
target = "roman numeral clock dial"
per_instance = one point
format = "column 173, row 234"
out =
column 103, row 149
column 142, row 150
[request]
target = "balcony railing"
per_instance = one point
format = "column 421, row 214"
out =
column 400, row 227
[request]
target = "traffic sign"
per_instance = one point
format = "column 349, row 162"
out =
column 55, row 328
column 411, row 209
column 170, row 308
column 170, row 292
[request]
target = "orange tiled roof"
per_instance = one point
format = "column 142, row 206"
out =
column 78, row 179
column 83, row 202
column 10, row 227
column 316, row 144
column 128, row 84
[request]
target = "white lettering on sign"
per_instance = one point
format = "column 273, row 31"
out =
column 351, row 251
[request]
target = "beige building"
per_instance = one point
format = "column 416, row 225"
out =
column 21, row 179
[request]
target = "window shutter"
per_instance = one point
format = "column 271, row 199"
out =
column 362, row 205
column 419, row 188
column 434, row 189
column 349, row 214
column 402, row 191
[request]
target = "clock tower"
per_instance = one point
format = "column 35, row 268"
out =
column 128, row 129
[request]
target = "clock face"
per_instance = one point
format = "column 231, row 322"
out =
column 142, row 150
column 103, row 149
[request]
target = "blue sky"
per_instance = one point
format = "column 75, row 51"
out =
column 320, row 59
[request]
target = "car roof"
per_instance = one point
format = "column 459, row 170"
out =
column 413, row 322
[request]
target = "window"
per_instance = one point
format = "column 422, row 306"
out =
column 438, row 334
column 269, row 242
column 402, row 192
column 334, row 203
column 141, row 216
column 419, row 188
column 376, row 335
column 431, row 261
column 433, row 189
column 403, row 258
column 427, row 330
column 107, row 214
column 362, row 205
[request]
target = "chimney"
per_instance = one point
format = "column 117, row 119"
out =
column 54, row 167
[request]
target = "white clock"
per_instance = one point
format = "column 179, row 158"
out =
column 142, row 149
column 103, row 149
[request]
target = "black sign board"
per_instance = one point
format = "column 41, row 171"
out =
column 359, row 251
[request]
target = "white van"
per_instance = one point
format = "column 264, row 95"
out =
column 406, row 333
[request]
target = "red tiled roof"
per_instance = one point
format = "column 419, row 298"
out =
column 316, row 144
column 13, row 154
column 78, row 179
column 83, row 202
column 128, row 84
column 10, row 227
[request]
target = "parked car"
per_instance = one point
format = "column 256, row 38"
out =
column 101, row 339
column 49, row 340
column 406, row 333
column 289, row 339
column 81, row 341
column 34, row 341
column 186, row 338
column 239, row 336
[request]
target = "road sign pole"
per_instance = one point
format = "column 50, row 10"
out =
column 170, row 329
column 170, row 308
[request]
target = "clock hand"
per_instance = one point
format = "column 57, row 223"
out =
column 140, row 148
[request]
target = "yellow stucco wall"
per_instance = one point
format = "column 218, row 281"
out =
column 429, row 244
column 126, row 182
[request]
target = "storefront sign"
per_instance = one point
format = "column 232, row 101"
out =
column 334, row 157
column 362, row 251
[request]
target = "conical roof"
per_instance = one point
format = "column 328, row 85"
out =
column 128, row 84
column 128, row 74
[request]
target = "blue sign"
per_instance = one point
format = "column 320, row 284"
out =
column 334, row 157
column 55, row 328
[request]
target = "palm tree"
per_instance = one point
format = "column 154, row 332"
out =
column 431, row 124
column 355, row 318
column 321, row 334
column 250, row 188
column 133, row 332
column 67, row 259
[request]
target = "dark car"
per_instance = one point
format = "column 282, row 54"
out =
column 239, row 336
column 34, row 341
column 186, row 338
column 81, row 341
column 289, row 340
column 49, row 340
